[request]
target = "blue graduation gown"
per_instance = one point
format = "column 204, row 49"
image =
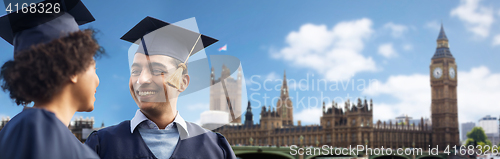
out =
column 37, row 133
column 117, row 142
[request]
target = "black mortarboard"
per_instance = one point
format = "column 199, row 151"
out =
column 26, row 29
column 156, row 37
column 163, row 38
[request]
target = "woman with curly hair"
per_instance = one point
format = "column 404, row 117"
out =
column 53, row 68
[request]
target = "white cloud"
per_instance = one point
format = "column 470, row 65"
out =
column 397, row 30
column 434, row 25
column 496, row 40
column 477, row 94
column 478, row 91
column 412, row 94
column 334, row 53
column 198, row 106
column 387, row 50
column 272, row 76
column 407, row 47
column 308, row 116
column 296, row 86
column 477, row 18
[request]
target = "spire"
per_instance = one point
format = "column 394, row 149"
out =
column 249, row 115
column 284, row 104
column 212, row 76
column 442, row 49
column 249, row 108
column 284, row 86
column 442, row 35
column 225, row 73
column 239, row 73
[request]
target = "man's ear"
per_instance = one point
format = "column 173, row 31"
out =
column 73, row 79
column 185, row 82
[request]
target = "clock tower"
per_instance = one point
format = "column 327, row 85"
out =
column 444, row 108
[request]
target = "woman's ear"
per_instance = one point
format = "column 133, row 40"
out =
column 74, row 78
column 185, row 83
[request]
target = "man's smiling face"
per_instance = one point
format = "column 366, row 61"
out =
column 148, row 82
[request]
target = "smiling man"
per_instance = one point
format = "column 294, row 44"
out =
column 158, row 75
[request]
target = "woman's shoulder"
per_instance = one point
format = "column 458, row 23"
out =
column 33, row 118
column 37, row 124
column 36, row 133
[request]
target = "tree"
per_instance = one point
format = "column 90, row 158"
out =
column 477, row 134
column 469, row 141
column 485, row 147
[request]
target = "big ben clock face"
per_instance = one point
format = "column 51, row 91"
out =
column 438, row 72
column 452, row 73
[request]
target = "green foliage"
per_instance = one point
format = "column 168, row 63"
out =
column 488, row 148
column 488, row 142
column 469, row 141
column 484, row 147
column 477, row 134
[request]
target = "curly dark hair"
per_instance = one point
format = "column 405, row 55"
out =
column 37, row 73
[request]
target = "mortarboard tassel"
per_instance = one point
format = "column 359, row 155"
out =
column 175, row 79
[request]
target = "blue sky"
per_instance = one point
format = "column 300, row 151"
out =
column 390, row 42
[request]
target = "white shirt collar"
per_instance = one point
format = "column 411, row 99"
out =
column 140, row 117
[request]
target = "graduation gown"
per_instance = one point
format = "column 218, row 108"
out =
column 38, row 133
column 117, row 142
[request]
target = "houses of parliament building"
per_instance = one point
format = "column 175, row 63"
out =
column 339, row 127
column 354, row 124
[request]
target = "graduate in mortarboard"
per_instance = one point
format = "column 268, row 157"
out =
column 53, row 69
column 159, row 73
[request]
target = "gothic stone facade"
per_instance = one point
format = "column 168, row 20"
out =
column 337, row 128
column 354, row 124
column 226, row 89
